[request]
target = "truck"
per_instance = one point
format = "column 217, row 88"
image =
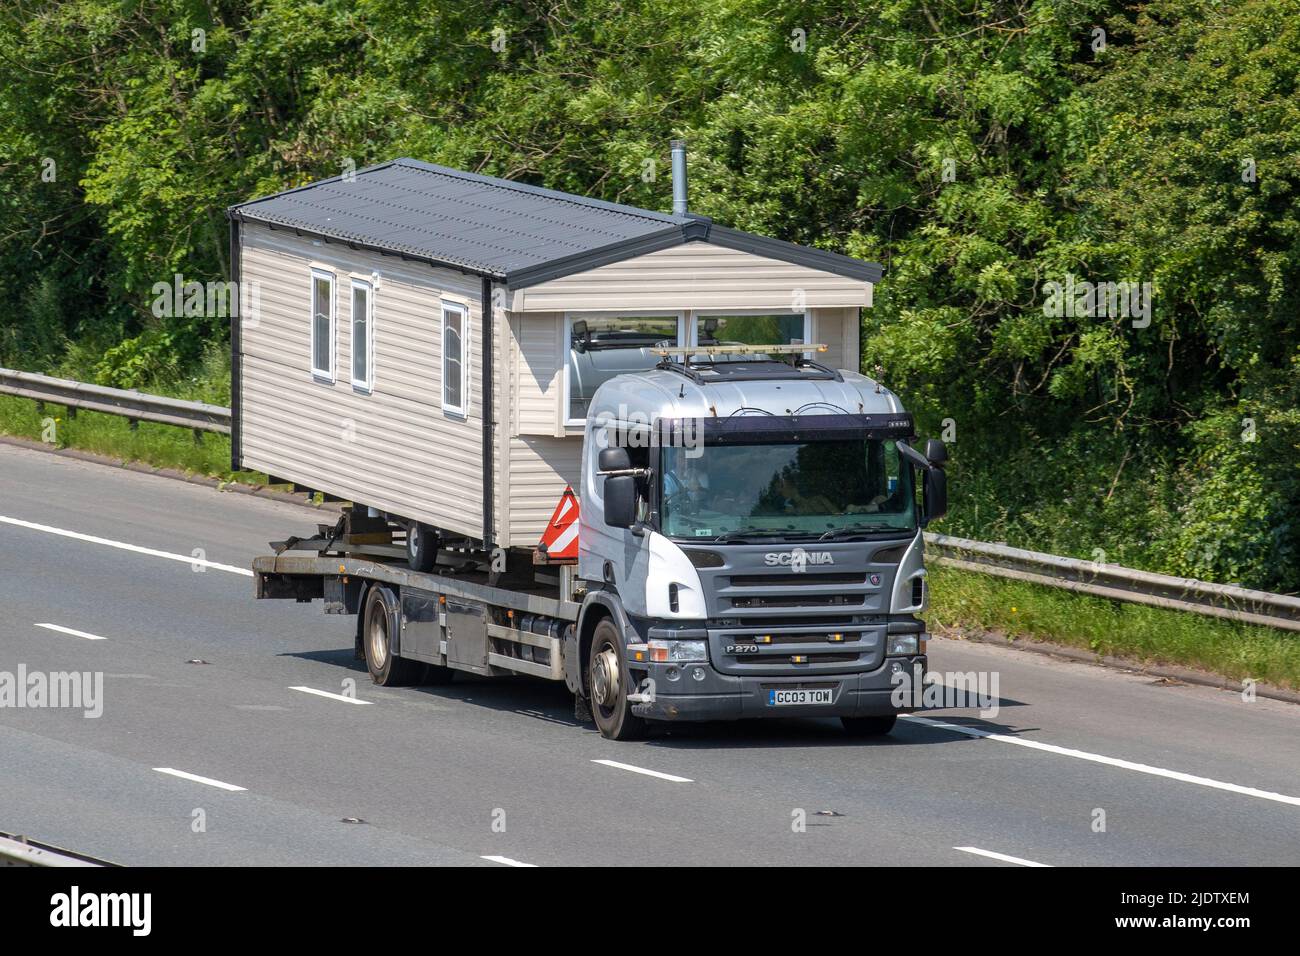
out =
column 749, row 545
column 646, row 478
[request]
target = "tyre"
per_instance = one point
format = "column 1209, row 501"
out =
column 868, row 726
column 606, row 678
column 381, row 617
column 421, row 547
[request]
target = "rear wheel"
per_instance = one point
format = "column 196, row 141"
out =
column 868, row 726
column 386, row 668
column 606, row 678
column 421, row 547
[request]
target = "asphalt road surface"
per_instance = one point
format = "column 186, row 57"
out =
column 1080, row 765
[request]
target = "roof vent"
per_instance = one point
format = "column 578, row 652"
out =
column 679, row 176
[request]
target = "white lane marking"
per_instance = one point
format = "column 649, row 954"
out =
column 123, row 546
column 648, row 773
column 68, row 630
column 506, row 861
column 1000, row 856
column 1108, row 761
column 197, row 779
column 325, row 693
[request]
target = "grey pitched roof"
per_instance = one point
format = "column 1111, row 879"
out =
column 506, row 230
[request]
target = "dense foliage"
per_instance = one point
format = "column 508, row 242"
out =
column 979, row 149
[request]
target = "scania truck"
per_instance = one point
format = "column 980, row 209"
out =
column 749, row 544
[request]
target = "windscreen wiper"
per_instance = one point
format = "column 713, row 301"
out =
column 728, row 536
column 835, row 533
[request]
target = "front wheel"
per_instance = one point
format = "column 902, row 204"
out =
column 606, row 678
column 868, row 726
column 386, row 668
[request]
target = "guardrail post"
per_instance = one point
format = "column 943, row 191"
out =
column 133, row 424
column 72, row 413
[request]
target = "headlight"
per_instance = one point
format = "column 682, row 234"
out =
column 677, row 652
column 905, row 645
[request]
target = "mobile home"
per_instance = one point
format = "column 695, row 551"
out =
column 425, row 341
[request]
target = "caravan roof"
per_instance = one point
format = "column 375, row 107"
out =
column 508, row 231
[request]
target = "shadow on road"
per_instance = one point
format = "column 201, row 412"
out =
column 552, row 703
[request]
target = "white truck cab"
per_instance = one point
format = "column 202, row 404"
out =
column 750, row 545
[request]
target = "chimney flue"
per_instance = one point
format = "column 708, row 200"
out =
column 679, row 177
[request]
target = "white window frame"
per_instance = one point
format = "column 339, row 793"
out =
column 462, row 310
column 367, row 384
column 683, row 330
column 323, row 374
column 694, row 331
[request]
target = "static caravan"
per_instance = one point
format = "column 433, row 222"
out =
column 425, row 341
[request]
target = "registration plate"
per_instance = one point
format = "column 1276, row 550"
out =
column 785, row 698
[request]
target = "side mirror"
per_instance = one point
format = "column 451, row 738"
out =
column 613, row 459
column 620, row 499
column 935, row 492
column 936, row 451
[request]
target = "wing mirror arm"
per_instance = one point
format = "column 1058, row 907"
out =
column 912, row 455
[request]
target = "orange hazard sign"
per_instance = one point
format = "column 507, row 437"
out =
column 560, row 539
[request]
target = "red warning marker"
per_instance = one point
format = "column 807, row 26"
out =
column 560, row 539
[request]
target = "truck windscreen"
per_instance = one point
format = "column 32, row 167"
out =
column 810, row 488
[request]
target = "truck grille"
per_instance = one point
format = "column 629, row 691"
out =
column 754, row 592
column 796, row 648
column 784, row 580
column 811, row 659
column 805, row 600
column 795, row 593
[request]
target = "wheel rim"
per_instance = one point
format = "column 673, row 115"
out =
column 606, row 679
column 413, row 542
column 378, row 636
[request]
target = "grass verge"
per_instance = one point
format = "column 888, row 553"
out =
column 164, row 446
column 1148, row 635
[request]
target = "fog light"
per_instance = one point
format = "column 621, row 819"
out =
column 904, row 645
column 698, row 673
column 672, row 673
column 678, row 652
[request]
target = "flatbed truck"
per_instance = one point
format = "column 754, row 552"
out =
column 749, row 545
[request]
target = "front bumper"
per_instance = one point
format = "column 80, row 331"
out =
column 715, row 696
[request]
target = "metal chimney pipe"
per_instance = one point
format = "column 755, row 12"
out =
column 678, row 147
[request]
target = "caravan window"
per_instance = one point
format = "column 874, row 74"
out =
column 322, row 324
column 778, row 329
column 455, row 360
column 362, row 337
column 602, row 346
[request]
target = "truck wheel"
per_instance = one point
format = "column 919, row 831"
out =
column 386, row 669
column 868, row 726
column 605, row 676
column 421, row 547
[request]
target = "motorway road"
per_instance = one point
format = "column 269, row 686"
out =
column 494, row 772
